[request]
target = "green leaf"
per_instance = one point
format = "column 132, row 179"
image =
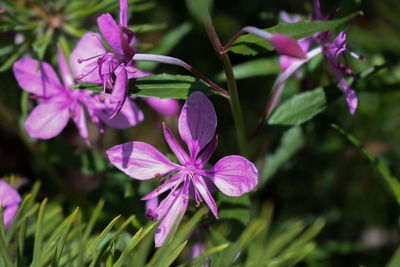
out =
column 199, row 9
column 3, row 248
column 249, row 44
column 55, row 243
column 95, row 214
column 161, row 256
column 281, row 240
column 14, row 57
column 391, row 181
column 254, row 68
column 40, row 45
column 93, row 245
column 292, row 141
column 174, row 254
column 24, row 211
column 300, row 108
column 169, row 41
column 133, row 243
column 199, row 260
column 252, row 231
column 142, row 28
column 234, row 208
column 160, row 86
column 37, row 245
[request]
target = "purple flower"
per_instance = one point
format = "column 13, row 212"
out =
column 331, row 52
column 166, row 107
column 233, row 175
column 92, row 62
column 9, row 199
column 59, row 103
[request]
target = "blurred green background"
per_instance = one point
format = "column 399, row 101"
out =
column 327, row 177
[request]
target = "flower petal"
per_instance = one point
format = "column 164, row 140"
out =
column 78, row 116
column 178, row 206
column 66, row 75
column 129, row 115
column 233, row 175
column 9, row 214
column 114, row 36
column 119, row 92
column 172, row 182
column 140, row 160
column 166, row 107
column 175, row 146
column 201, row 186
column 203, row 159
column 350, row 94
column 123, row 13
column 134, row 72
column 197, row 122
column 8, row 195
column 88, row 50
column 48, row 119
column 43, row 82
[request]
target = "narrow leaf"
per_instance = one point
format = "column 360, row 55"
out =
column 391, row 181
column 160, row 86
column 300, row 108
column 37, row 245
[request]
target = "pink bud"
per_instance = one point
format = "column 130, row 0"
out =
column 287, row 46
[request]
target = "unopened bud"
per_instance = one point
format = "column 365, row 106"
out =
column 287, row 46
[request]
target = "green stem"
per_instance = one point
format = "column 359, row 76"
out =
column 232, row 87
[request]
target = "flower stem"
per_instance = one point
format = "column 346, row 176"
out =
column 181, row 63
column 248, row 29
column 232, row 87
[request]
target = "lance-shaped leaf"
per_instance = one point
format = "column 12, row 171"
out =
column 160, row 86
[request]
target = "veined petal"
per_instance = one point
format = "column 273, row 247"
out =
column 201, row 186
column 203, row 159
column 116, row 36
column 47, row 119
column 178, row 207
column 119, row 92
column 233, row 175
column 166, row 107
column 88, row 50
column 123, row 13
column 43, row 82
column 66, row 75
column 78, row 116
column 175, row 146
column 197, row 122
column 140, row 160
column 129, row 115
column 172, row 182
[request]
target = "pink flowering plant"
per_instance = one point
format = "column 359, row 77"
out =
column 173, row 155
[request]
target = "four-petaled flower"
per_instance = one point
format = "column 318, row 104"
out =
column 59, row 103
column 331, row 52
column 92, row 62
column 232, row 175
column 9, row 199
